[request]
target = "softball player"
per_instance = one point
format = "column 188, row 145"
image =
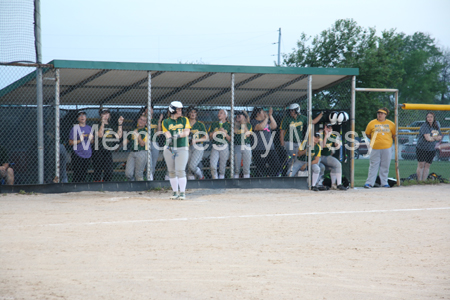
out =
column 197, row 136
column 302, row 160
column 220, row 152
column 242, row 148
column 327, row 159
column 176, row 128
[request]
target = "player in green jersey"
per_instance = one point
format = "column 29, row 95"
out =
column 176, row 128
column 197, row 136
column 329, row 144
column 219, row 134
column 301, row 162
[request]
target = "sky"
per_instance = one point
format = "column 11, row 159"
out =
column 232, row 32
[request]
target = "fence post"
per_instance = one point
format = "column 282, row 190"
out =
column 232, row 158
column 149, row 125
column 310, row 127
column 352, row 121
column 57, row 142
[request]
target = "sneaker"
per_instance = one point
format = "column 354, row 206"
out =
column 182, row 196
column 386, row 186
column 367, row 186
column 341, row 187
column 174, row 196
column 315, row 189
column 334, row 187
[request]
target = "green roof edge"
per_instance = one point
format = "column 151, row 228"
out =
column 76, row 64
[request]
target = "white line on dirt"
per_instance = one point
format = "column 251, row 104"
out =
column 246, row 216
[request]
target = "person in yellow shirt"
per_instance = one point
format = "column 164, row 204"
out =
column 382, row 133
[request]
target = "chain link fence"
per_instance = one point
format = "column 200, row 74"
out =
column 423, row 144
column 262, row 132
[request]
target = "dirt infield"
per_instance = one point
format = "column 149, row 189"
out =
column 227, row 244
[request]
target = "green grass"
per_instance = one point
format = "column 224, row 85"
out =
column 406, row 167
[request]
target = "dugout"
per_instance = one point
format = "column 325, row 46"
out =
column 127, row 87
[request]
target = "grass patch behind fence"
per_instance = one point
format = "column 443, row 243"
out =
column 406, row 167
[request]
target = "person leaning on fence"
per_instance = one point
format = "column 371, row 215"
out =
column 291, row 128
column 137, row 159
column 242, row 148
column 197, row 136
column 219, row 135
column 176, row 128
column 155, row 126
column 301, row 163
column 109, row 137
column 6, row 172
column 429, row 135
column 382, row 133
column 80, row 138
column 264, row 151
column 329, row 143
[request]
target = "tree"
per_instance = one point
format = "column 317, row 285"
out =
column 413, row 64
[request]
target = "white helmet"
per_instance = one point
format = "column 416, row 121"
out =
column 340, row 118
column 174, row 105
column 346, row 117
column 333, row 117
column 295, row 106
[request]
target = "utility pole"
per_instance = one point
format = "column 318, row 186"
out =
column 279, row 44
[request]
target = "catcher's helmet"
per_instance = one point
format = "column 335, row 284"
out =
column 174, row 105
column 295, row 106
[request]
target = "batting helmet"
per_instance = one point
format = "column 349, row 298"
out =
column 333, row 117
column 295, row 106
column 174, row 105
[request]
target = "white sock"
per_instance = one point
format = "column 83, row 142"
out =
column 236, row 175
column 182, row 183
column 191, row 177
column 174, row 184
column 315, row 176
column 151, row 177
column 221, row 176
column 333, row 178
column 247, row 176
column 339, row 179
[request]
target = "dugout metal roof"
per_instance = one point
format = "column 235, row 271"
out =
column 119, row 83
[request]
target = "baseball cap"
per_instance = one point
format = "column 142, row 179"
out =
column 104, row 110
column 329, row 125
column 81, row 112
column 317, row 134
column 240, row 112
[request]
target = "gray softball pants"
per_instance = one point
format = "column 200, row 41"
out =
column 154, row 150
column 331, row 163
column 219, row 154
column 195, row 157
column 244, row 153
column 176, row 161
column 136, row 162
column 299, row 163
column 380, row 160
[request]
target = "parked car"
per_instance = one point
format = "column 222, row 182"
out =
column 404, row 138
column 444, row 154
column 409, row 151
column 362, row 148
